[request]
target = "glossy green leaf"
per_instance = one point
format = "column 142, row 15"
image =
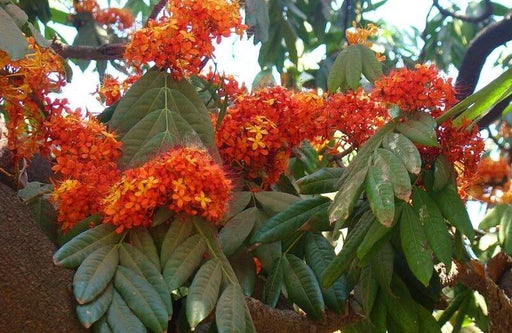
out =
column 453, row 209
column 142, row 299
column 284, row 224
column 379, row 191
column 275, row 202
column 401, row 307
column 319, row 253
column 434, row 226
column 302, row 286
column 324, row 180
column 238, row 202
column 395, row 171
column 367, row 288
column 344, row 258
column 427, row 323
column 176, row 234
column 203, row 292
column 236, row 230
column 382, row 265
column 347, row 196
column 91, row 312
column 134, row 259
column 337, row 76
column 12, row 40
column 75, row 251
column 142, row 240
column 230, row 314
column 405, row 150
column 95, row 273
column 183, row 261
column 415, row 245
column 372, row 68
column 120, row 317
column 80, row 227
column 274, row 283
column 420, row 127
column 442, row 173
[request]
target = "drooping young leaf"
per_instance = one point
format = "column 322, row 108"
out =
column 134, row 259
column 75, row 251
column 453, row 209
column 91, row 312
column 203, row 292
column 379, row 191
column 142, row 299
column 183, row 261
column 284, row 224
column 405, row 150
column 12, row 40
column 230, row 314
column 434, row 226
column 344, row 258
column 322, row 181
column 395, row 171
column 302, row 286
column 420, row 127
column 415, row 245
column 95, row 273
column 176, row 234
column 236, row 230
column 120, row 317
column 275, row 202
column 274, row 283
column 142, row 240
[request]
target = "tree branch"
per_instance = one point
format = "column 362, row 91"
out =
column 489, row 9
column 104, row 52
column 156, row 10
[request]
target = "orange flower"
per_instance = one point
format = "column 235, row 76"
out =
column 360, row 35
column 120, row 17
column 111, row 89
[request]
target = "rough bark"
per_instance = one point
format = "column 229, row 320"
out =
column 35, row 296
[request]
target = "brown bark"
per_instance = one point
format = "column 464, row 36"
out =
column 35, row 296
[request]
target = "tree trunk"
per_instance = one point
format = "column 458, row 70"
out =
column 35, row 296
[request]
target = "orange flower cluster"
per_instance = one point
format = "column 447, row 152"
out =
column 492, row 182
column 355, row 114
column 24, row 86
column 185, row 179
column 86, row 155
column 111, row 89
column 421, row 89
column 260, row 129
column 120, row 17
column 360, row 35
column 182, row 39
column 226, row 85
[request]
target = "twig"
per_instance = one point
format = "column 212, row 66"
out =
column 489, row 9
column 103, row 52
column 156, row 10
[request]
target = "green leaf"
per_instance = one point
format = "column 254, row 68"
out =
column 344, row 258
column 275, row 202
column 230, row 314
column 505, row 230
column 442, row 173
column 434, row 226
column 257, row 17
column 428, row 323
column 415, row 245
column 35, row 196
column 183, row 261
column 238, row 202
column 367, row 288
column 76, row 250
column 142, row 240
column 95, row 273
column 378, row 315
column 245, row 270
column 395, row 171
column 274, row 283
column 284, row 224
column 17, row 15
column 372, row 68
column 420, row 127
column 12, row 40
column 203, row 292
column 380, row 195
column 176, row 234
column 337, row 77
column 453, row 209
column 134, row 259
column 319, row 254
column 162, row 214
column 156, row 113
column 102, row 326
column 87, row 35
column 121, row 319
column 234, row 233
column 493, row 217
column 401, row 307
column 382, row 265
column 142, row 299
column 91, row 312
column 323, row 181
column 405, row 150
column 354, row 66
column 80, row 227
column 347, row 197
column 302, row 286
